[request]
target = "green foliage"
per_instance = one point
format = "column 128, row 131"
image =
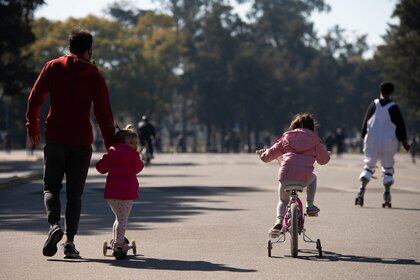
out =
column 399, row 58
column 201, row 67
column 136, row 60
column 15, row 35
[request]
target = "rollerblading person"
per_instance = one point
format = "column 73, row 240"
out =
column 383, row 128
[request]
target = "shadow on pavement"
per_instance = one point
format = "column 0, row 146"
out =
column 172, row 164
column 336, row 257
column 22, row 208
column 103, row 177
column 161, row 264
column 395, row 208
column 18, row 166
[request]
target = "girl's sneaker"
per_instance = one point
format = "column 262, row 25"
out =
column 275, row 231
column 312, row 211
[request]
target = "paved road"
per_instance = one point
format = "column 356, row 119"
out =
column 206, row 217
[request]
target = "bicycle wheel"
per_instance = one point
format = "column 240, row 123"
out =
column 294, row 234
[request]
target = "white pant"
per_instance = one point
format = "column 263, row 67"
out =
column 383, row 151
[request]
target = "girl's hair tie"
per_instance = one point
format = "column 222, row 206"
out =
column 117, row 127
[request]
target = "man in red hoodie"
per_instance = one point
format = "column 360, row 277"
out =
column 73, row 84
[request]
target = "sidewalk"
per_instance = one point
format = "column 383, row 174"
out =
column 17, row 167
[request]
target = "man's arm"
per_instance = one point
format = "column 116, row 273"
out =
column 35, row 100
column 400, row 128
column 369, row 113
column 103, row 113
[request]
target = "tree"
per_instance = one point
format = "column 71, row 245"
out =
column 15, row 36
column 16, row 73
column 136, row 60
column 399, row 57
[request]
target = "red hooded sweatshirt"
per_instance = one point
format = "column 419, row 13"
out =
column 122, row 163
column 73, row 86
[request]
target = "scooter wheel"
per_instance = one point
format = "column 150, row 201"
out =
column 134, row 247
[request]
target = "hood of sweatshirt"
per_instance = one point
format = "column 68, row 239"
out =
column 77, row 67
column 301, row 140
column 121, row 153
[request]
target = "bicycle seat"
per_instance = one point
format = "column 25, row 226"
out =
column 295, row 187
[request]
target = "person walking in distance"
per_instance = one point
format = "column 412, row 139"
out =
column 73, row 84
column 147, row 133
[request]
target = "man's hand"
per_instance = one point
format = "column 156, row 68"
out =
column 35, row 139
column 406, row 145
column 259, row 152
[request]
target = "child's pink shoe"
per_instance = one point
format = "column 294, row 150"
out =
column 275, row 231
column 312, row 211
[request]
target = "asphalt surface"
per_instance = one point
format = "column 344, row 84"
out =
column 206, row 216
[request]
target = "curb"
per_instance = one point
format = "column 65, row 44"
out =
column 16, row 180
column 36, row 175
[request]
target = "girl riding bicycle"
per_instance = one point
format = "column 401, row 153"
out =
column 296, row 150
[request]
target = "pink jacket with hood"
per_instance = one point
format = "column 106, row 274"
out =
column 300, row 148
column 122, row 163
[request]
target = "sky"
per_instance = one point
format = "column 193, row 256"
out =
column 358, row 17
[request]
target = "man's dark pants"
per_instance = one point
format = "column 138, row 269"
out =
column 72, row 161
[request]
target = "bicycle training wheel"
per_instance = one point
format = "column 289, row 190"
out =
column 269, row 247
column 105, row 248
column 294, row 230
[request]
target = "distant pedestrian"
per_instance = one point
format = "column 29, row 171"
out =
column 147, row 133
column 8, row 142
column 30, row 147
column 414, row 146
column 329, row 141
column 122, row 162
column 236, row 142
column 296, row 150
column 383, row 127
column 339, row 138
column 158, row 142
column 181, row 143
column 73, row 84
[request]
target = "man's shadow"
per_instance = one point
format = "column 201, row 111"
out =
column 140, row 262
column 336, row 257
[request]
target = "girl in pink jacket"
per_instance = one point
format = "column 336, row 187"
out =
column 122, row 162
column 296, row 150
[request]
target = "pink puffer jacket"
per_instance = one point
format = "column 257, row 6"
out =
column 122, row 163
column 300, row 149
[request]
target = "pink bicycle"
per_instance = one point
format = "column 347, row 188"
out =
column 293, row 223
